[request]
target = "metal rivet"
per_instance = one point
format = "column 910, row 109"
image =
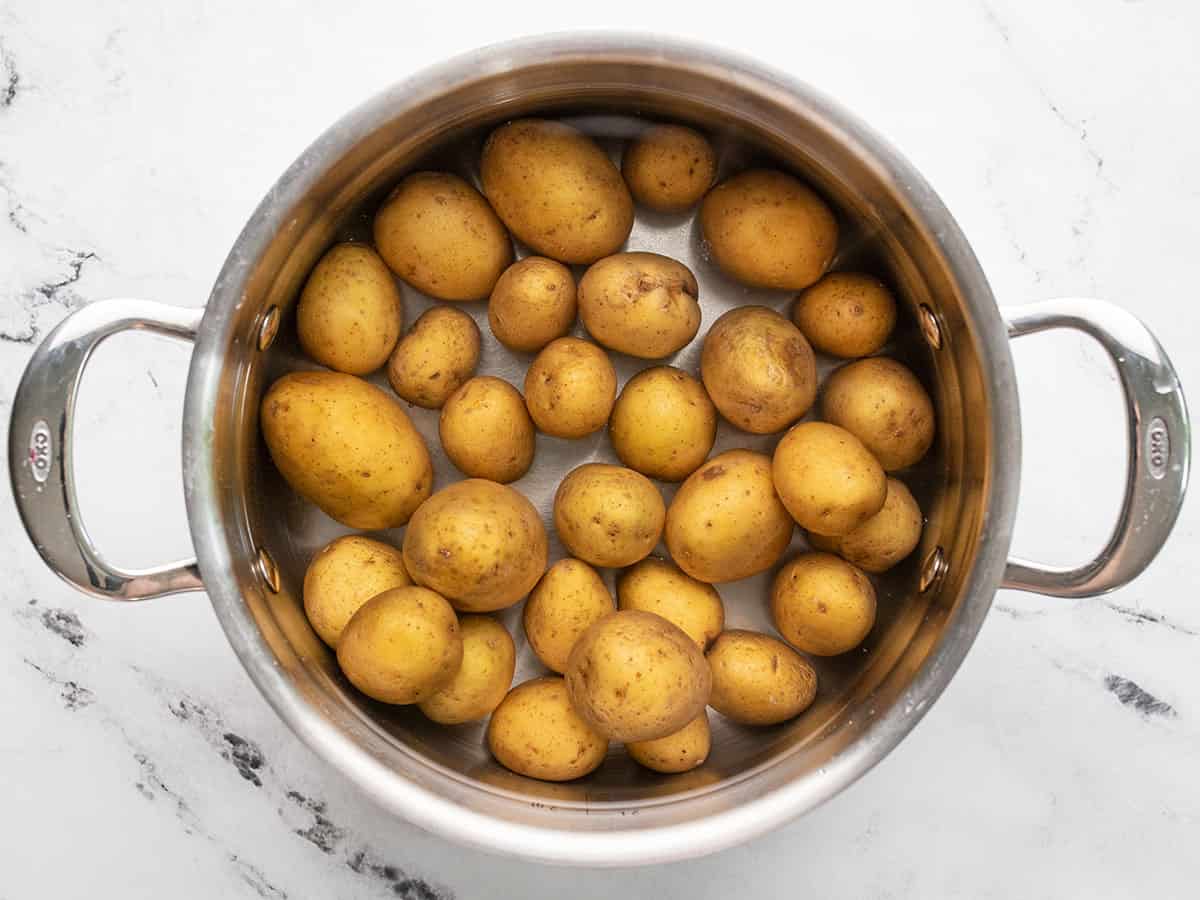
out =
column 268, row 570
column 930, row 327
column 933, row 569
column 268, row 328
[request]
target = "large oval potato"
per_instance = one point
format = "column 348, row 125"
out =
column 827, row 479
column 669, row 167
column 482, row 681
column 663, row 424
column 479, row 544
column 608, row 515
column 437, row 355
column 881, row 402
column 822, row 605
column 486, row 430
column 642, row 304
column 345, row 574
column 682, row 751
column 556, row 190
column 570, row 388
column 656, row 586
column 758, row 680
column 348, row 447
column 846, row 314
column 884, row 539
column 536, row 732
column 568, row 600
column 532, row 304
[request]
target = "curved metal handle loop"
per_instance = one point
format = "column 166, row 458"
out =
column 1159, row 447
column 40, row 450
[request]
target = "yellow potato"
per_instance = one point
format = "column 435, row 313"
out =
column 767, row 229
column 758, row 369
column 679, row 752
column 568, row 600
column 479, row 544
column 348, row 447
column 401, row 646
column 663, row 424
column 608, row 515
column 726, row 522
column 633, row 676
column 348, row 572
column 884, row 539
column 846, row 314
column 758, row 680
column 822, row 605
column 669, row 167
column 532, row 304
column 556, row 190
column 882, row 403
column 488, row 662
column 642, row 304
column 827, row 479
column 486, row 430
column 535, row 732
column 656, row 586
column 438, row 233
column 433, row 360
column 349, row 314
column 570, row 388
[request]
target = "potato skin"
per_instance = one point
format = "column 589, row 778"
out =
column 346, row 446
column 345, row 574
column 532, row 304
column 482, row 681
column 633, row 676
column 568, row 600
column 535, row 732
column 570, row 388
column 656, row 586
column 439, row 234
column 758, row 369
column 401, row 646
column 883, row 540
column 881, row 402
column 608, row 515
column 663, row 424
column 349, row 315
column 669, row 168
column 726, row 521
column 642, row 304
column 827, row 479
column 846, row 314
column 486, row 430
column 433, row 360
column 556, row 190
column 822, row 605
column 758, row 680
column 479, row 544
column 679, row 752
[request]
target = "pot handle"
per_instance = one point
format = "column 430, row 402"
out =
column 1159, row 447
column 40, row 449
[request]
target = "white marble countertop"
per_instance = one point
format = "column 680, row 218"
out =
column 137, row 760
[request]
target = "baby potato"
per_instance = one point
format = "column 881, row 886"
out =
column 663, row 424
column 348, row 572
column 827, row 479
column 349, row 315
column 438, row 233
column 769, row 230
column 488, row 662
column 532, row 304
column 568, row 600
column 486, row 430
column 881, row 403
column 758, row 369
column 656, row 586
column 758, row 680
column 846, row 314
column 570, row 388
column 726, row 521
column 401, row 646
column 479, row 544
column 884, row 539
column 535, row 732
column 633, row 676
column 679, row 752
column 822, row 605
column 669, row 167
column 642, row 304
column 556, row 190
column 608, row 515
column 347, row 446
column 433, row 360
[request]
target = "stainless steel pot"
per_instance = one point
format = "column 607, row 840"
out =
column 252, row 536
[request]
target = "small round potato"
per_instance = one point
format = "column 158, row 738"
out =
column 679, row 752
column 881, row 403
column 348, row 572
column 535, row 732
column 642, row 304
column 532, row 304
column 663, row 424
column 758, row 680
column 438, row 233
column 846, row 314
column 758, row 369
column 570, row 388
column 769, row 230
column 433, row 360
column 633, row 676
column 608, row 515
column 669, row 168
column 726, row 522
column 486, row 430
column 827, row 479
column 479, row 544
column 822, row 605
column 568, row 600
column 349, row 314
column 884, row 539
column 488, row 662
column 656, row 586
column 401, row 646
